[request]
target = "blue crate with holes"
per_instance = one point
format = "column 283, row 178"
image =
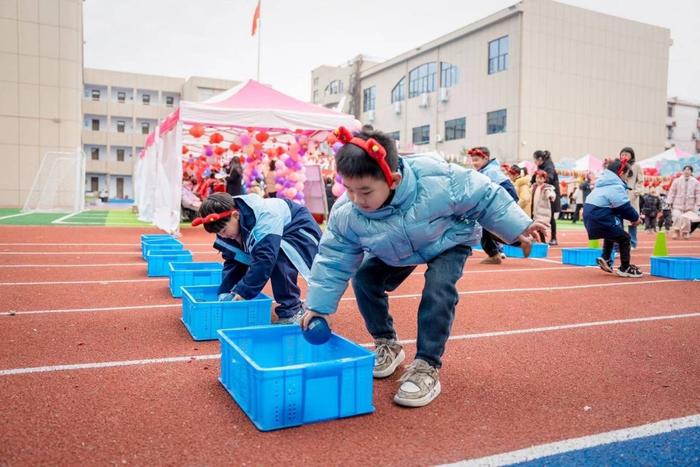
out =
column 279, row 380
column 158, row 261
column 155, row 238
column 170, row 245
column 203, row 314
column 539, row 250
column 676, row 267
column 582, row 256
column 194, row 273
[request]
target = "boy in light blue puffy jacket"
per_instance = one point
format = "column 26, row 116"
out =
column 605, row 209
column 398, row 213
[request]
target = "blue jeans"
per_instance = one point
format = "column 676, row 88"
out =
column 632, row 229
column 437, row 306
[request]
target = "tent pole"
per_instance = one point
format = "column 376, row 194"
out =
column 259, row 34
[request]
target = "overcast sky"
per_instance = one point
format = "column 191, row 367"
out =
column 212, row 37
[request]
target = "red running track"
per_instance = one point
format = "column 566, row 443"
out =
column 500, row 392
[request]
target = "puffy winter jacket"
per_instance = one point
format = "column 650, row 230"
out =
column 435, row 207
column 606, row 206
column 492, row 170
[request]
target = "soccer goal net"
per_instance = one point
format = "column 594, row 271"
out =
column 59, row 184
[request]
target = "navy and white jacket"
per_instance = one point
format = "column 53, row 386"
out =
column 607, row 206
column 492, row 170
column 267, row 226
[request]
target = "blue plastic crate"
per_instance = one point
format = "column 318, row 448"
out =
column 155, row 236
column 582, row 256
column 203, row 314
column 188, row 274
column 676, row 267
column 279, row 380
column 539, row 250
column 158, row 261
column 171, row 245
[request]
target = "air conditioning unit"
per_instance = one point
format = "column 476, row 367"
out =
column 397, row 107
column 444, row 96
column 438, row 138
column 424, row 100
column 370, row 115
column 673, row 123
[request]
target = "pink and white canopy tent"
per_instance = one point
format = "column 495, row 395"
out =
column 589, row 163
column 158, row 172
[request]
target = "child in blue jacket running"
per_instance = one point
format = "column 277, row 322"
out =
column 398, row 213
column 603, row 213
column 261, row 239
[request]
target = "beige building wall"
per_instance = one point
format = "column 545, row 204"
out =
column 126, row 107
column 592, row 83
column 683, row 125
column 576, row 82
column 41, row 58
column 331, row 85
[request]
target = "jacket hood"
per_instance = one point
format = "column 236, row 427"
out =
column 609, row 178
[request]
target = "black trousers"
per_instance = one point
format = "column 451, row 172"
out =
column 489, row 243
column 577, row 213
column 625, row 246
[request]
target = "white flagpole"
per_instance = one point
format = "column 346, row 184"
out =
column 259, row 34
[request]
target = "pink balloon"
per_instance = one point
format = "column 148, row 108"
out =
column 291, row 192
column 337, row 190
column 245, row 140
column 299, row 186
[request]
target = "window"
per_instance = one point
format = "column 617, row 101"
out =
column 455, row 129
column 496, row 122
column 95, row 94
column 669, row 111
column 120, row 155
column 448, row 75
column 121, row 97
column 334, row 87
column 146, row 99
column 368, row 99
column 95, row 154
column 94, row 184
column 399, row 92
column 395, row 135
column 145, row 128
column 498, row 55
column 169, row 101
column 95, row 124
column 315, row 82
column 421, row 134
column 421, row 79
column 121, row 125
column 315, row 97
column 669, row 132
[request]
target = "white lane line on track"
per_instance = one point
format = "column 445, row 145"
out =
column 87, row 253
column 135, row 245
column 92, row 310
column 117, row 281
column 85, row 366
column 82, row 265
column 392, row 297
column 584, row 442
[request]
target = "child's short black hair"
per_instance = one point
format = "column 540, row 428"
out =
column 214, row 204
column 542, row 154
column 352, row 161
column 615, row 166
column 688, row 167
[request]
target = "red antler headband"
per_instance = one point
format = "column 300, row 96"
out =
column 478, row 153
column 373, row 149
column 211, row 218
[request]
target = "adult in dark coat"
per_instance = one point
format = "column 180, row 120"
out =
column 543, row 159
column 234, row 186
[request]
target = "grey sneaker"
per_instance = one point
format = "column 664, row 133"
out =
column 421, row 384
column 604, row 264
column 389, row 355
column 295, row 319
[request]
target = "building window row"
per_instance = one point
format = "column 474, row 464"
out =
column 395, row 135
column 421, row 134
column 498, row 55
column 369, row 98
column 334, row 87
column 448, row 75
column 421, row 79
column 455, row 129
column 96, row 95
column 496, row 122
column 399, row 92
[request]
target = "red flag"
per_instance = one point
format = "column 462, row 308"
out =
column 256, row 19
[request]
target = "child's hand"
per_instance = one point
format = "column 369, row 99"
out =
column 525, row 244
column 637, row 222
column 229, row 297
column 536, row 226
column 308, row 315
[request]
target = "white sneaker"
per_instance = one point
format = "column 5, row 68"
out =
column 388, row 356
column 420, row 385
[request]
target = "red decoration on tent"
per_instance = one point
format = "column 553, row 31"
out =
column 216, row 138
column 197, row 131
column 185, row 150
column 219, row 151
column 279, row 150
column 262, row 136
column 234, row 147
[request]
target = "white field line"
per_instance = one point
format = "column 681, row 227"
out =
column 15, row 215
column 392, row 297
column 83, row 366
column 67, row 216
column 118, row 281
column 585, row 442
column 91, row 310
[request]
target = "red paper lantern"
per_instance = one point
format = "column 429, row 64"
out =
column 185, row 150
column 216, row 138
column 219, row 150
column 262, row 136
column 234, row 147
column 280, row 150
column 196, row 131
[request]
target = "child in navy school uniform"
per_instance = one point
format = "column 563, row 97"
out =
column 262, row 239
column 603, row 213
